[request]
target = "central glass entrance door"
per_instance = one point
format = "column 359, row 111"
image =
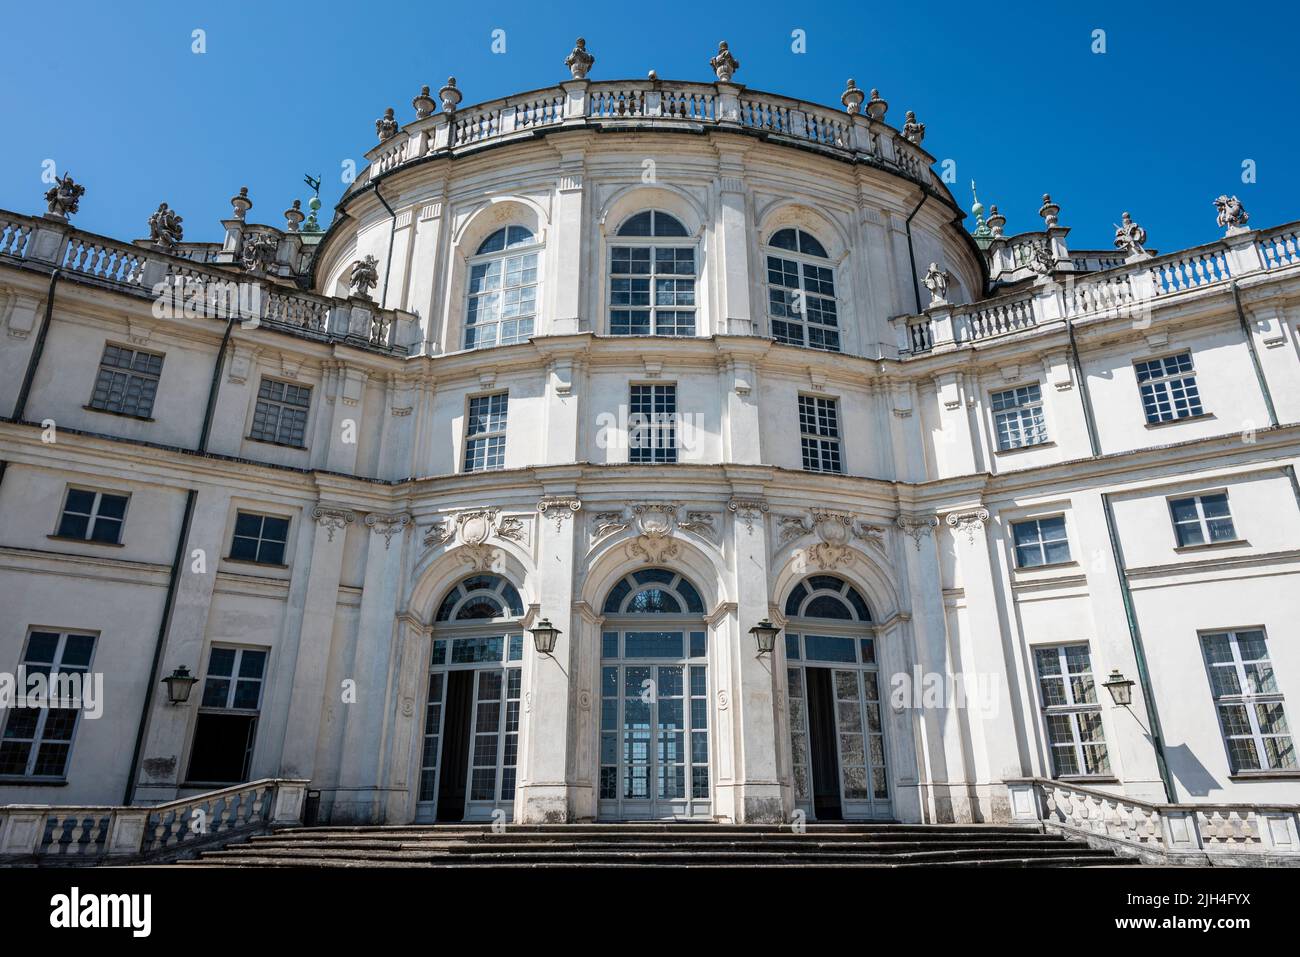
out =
column 654, row 728
column 837, row 742
column 471, row 729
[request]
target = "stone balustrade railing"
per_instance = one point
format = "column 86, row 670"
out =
column 66, row 834
column 649, row 104
column 1247, row 834
column 1130, row 289
column 182, row 286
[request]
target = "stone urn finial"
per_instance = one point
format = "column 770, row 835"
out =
column 423, row 103
column 293, row 216
column 913, row 131
column 165, row 229
column 852, row 98
column 724, row 64
column 876, row 106
column 579, row 61
column 365, row 276
column 1232, row 215
column 386, row 125
column 1049, row 211
column 450, row 96
column 63, row 197
column 242, row 203
column 995, row 221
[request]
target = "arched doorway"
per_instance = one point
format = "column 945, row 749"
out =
column 471, row 723
column 837, row 739
column 654, row 700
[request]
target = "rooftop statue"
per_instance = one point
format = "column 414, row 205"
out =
column 913, row 131
column 1041, row 259
column 386, row 125
column 365, row 276
column 579, row 61
column 1232, row 215
column 1131, row 238
column 936, row 280
column 259, row 252
column 63, row 197
column 724, row 64
column 165, row 228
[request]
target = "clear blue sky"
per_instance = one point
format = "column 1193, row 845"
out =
column 1159, row 124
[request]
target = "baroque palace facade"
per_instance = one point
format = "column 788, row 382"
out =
column 654, row 362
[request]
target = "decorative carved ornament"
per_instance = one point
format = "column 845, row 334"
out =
column 836, row 531
column 748, row 509
column 387, row 525
column 332, row 519
column 969, row 521
column 916, row 527
column 560, row 507
column 470, row 531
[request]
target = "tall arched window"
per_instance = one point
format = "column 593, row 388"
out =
column 801, row 301
column 654, row 697
column 471, row 725
column 652, row 278
column 837, row 738
column 501, row 303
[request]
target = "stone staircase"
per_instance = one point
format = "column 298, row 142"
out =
column 656, row 844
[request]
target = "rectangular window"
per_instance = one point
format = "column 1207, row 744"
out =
column 1202, row 519
column 38, row 740
column 801, row 303
column 127, row 381
column 1071, row 711
column 228, row 711
column 1040, row 541
column 281, row 413
column 652, row 291
column 485, row 432
column 1250, row 707
column 819, row 434
column 1168, row 388
column 502, row 301
column 1018, row 417
column 652, row 424
column 93, row 516
column 259, row 538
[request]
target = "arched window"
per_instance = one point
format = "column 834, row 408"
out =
column 837, row 738
column 501, row 303
column 654, row 707
column 481, row 597
column 652, row 280
column 801, row 301
column 471, row 720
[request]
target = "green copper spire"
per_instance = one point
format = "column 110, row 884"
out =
column 983, row 235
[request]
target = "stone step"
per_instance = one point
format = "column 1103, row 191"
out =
column 893, row 862
column 763, row 847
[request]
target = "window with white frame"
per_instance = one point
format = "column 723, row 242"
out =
column 801, row 302
column 127, row 381
column 652, row 280
column 281, row 413
column 1202, row 519
column 819, row 434
column 227, row 723
column 485, row 432
column 1250, row 707
column 1168, row 388
column 502, row 297
column 1018, row 417
column 1040, row 541
column 259, row 538
column 652, row 423
column 37, row 741
column 1071, row 710
column 93, row 516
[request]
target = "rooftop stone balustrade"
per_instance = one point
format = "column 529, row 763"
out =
column 651, row 104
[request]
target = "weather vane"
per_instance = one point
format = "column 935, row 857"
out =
column 313, row 183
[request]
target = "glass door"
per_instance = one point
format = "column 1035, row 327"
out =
column 654, row 734
column 852, row 709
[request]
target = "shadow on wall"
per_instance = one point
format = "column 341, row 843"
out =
column 1189, row 772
